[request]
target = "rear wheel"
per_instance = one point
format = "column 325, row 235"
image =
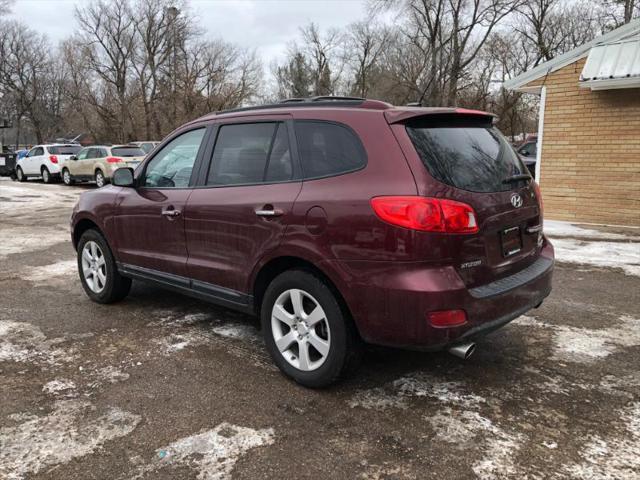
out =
column 20, row 175
column 66, row 177
column 98, row 271
column 100, row 180
column 309, row 336
column 46, row 176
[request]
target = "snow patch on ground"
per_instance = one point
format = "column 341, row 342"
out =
column 24, row 342
column 469, row 429
column 22, row 200
column 107, row 375
column 555, row 228
column 396, row 394
column 60, row 386
column 212, row 453
column 70, row 431
column 53, row 271
column 29, row 239
column 587, row 345
column 617, row 456
column 623, row 255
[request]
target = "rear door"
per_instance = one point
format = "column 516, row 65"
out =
column 150, row 218
column 464, row 158
column 243, row 204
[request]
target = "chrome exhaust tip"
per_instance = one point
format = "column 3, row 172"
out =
column 463, row 351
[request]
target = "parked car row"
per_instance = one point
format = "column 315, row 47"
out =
column 73, row 163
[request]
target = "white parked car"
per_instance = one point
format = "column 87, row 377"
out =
column 45, row 161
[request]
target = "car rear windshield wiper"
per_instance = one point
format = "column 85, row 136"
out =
column 517, row 178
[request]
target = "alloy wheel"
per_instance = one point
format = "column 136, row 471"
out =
column 45, row 175
column 66, row 176
column 300, row 329
column 99, row 179
column 94, row 268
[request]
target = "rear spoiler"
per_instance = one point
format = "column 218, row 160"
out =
column 399, row 115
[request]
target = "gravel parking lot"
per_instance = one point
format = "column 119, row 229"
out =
column 162, row 386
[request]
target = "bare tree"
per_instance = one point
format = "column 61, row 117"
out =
column 108, row 30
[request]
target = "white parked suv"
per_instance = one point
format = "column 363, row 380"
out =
column 45, row 161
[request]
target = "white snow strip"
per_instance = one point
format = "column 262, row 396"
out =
column 24, row 342
column 623, row 255
column 587, row 345
column 63, row 268
column 30, row 238
column 59, row 386
column 70, row 431
column 415, row 386
column 614, row 457
column 18, row 201
column 212, row 453
column 555, row 228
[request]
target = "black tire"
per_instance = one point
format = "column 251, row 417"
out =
column 46, row 175
column 20, row 175
column 345, row 350
column 116, row 286
column 97, row 176
column 68, row 178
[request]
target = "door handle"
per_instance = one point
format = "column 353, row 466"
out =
column 171, row 212
column 269, row 211
column 534, row 229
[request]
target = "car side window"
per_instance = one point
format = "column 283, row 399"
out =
column 251, row 153
column 171, row 167
column 36, row 152
column 32, row 152
column 82, row 154
column 328, row 149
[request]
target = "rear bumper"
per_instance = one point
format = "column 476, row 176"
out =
column 390, row 301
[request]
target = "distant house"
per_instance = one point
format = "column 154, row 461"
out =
column 589, row 129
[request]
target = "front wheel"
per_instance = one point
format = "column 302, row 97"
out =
column 20, row 175
column 66, row 177
column 98, row 271
column 309, row 336
column 100, row 180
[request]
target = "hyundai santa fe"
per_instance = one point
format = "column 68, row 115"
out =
column 337, row 221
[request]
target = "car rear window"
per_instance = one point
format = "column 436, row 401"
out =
column 64, row 150
column 127, row 152
column 468, row 154
column 328, row 149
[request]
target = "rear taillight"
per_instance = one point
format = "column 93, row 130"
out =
column 114, row 160
column 426, row 214
column 536, row 187
column 447, row 318
column 53, row 159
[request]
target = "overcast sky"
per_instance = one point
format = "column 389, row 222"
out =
column 268, row 25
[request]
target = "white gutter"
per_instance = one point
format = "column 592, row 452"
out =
column 543, row 102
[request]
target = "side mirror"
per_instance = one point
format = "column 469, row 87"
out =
column 73, row 157
column 123, row 177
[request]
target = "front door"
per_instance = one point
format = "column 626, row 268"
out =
column 150, row 218
column 244, row 205
column 33, row 161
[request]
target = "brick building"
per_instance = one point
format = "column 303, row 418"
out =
column 588, row 158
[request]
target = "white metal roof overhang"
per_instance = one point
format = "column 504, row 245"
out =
column 613, row 65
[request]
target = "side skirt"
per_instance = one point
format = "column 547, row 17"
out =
column 194, row 288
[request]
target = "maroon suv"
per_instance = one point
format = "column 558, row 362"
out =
column 336, row 220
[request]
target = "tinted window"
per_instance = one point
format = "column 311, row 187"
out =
column 65, row 149
column 127, row 152
column 251, row 153
column 529, row 149
column 470, row 156
column 146, row 147
column 37, row 151
column 171, row 167
column 94, row 153
column 328, row 149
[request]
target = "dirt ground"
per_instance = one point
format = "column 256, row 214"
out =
column 161, row 386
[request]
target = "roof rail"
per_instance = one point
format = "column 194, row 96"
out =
column 319, row 101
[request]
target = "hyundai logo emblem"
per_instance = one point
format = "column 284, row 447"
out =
column 516, row 200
